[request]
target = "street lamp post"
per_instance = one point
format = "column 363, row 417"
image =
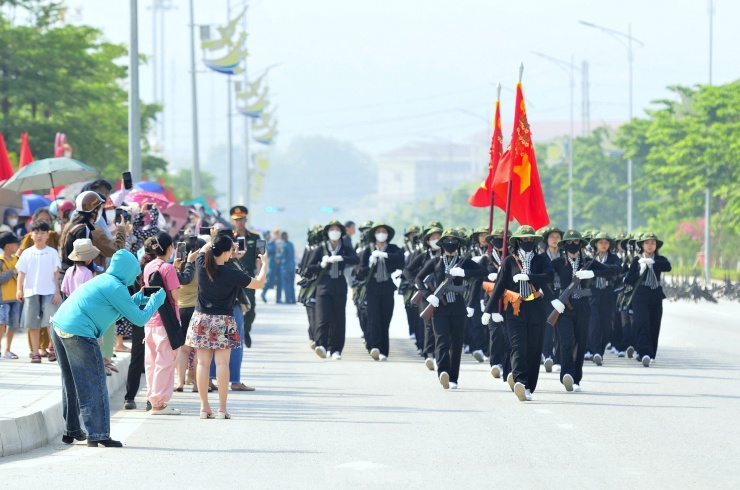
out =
column 134, row 110
column 571, row 67
column 194, row 94
column 627, row 40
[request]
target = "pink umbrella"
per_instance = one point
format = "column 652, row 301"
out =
column 144, row 197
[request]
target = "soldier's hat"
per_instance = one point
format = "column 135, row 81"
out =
column 475, row 233
column 545, row 232
column 570, row 235
column 413, row 229
column 371, row 232
column 436, row 224
column 366, row 225
column 495, row 233
column 621, row 239
column 335, row 222
column 650, row 236
column 429, row 232
column 450, row 233
column 524, row 231
column 238, row 212
column 602, row 235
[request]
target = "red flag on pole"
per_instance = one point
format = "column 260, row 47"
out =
column 6, row 169
column 26, row 156
column 481, row 198
column 519, row 166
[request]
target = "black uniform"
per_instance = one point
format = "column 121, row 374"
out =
column 603, row 304
column 424, row 331
column 248, row 263
column 550, row 349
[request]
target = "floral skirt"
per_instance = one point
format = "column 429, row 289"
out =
column 212, row 332
column 124, row 327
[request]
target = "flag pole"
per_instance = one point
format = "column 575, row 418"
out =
column 493, row 195
column 508, row 190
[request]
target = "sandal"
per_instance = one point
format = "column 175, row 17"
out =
column 9, row 355
column 108, row 372
column 36, row 359
column 241, row 387
column 122, row 349
column 178, row 389
column 112, row 367
column 52, row 356
column 223, row 415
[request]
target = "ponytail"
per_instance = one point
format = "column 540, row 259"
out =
column 211, row 265
column 220, row 244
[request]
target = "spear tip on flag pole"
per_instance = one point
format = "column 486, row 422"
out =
column 521, row 71
column 498, row 91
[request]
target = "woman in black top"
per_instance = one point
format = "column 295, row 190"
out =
column 378, row 261
column 523, row 273
column 603, row 298
column 327, row 264
column 213, row 326
column 450, row 315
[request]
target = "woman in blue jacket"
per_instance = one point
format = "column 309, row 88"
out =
column 77, row 325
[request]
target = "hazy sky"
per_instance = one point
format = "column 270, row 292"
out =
column 383, row 73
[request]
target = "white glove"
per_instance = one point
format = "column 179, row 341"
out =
column 477, row 259
column 558, row 305
column 433, row 300
column 646, row 261
column 373, row 260
column 497, row 318
column 324, row 261
column 457, row 272
column 584, row 275
column 482, row 305
column 521, row 277
column 485, row 319
column 380, row 255
column 471, row 312
column 406, row 254
column 492, row 276
column 642, row 268
column 336, row 258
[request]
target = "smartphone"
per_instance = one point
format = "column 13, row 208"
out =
column 119, row 215
column 128, row 184
column 149, row 290
column 242, row 243
column 261, row 244
column 192, row 243
column 204, row 231
column 182, row 250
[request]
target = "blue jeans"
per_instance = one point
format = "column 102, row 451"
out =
column 83, row 386
column 235, row 361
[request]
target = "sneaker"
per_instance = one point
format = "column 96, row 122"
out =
column 466, row 349
column 598, row 360
column 418, row 352
column 496, row 371
column 510, row 380
column 444, row 380
column 636, row 356
column 587, row 356
column 412, row 336
column 646, row 361
column 609, row 346
column 615, row 351
column 453, row 385
column 568, row 382
column 486, row 359
column 478, row 356
column 320, row 351
column 542, row 358
column 556, row 368
column 630, row 351
column 382, row 358
column 577, row 388
column 620, row 353
column 375, row 354
column 520, row 391
column 429, row 363
column 528, row 395
column 148, row 405
column 336, row 356
column 312, row 345
column 129, row 405
column 548, row 364
column 166, row 410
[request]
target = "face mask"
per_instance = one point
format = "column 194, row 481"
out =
column 110, row 215
column 449, row 245
column 498, row 243
column 12, row 222
column 433, row 244
column 572, row 248
column 381, row 237
column 335, row 235
column 526, row 247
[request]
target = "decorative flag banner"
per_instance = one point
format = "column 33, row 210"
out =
column 6, row 169
column 255, row 109
column 229, row 64
column 226, row 32
column 25, row 155
column 519, row 166
column 481, row 198
column 266, row 138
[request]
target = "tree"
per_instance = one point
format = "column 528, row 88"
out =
column 56, row 77
column 182, row 188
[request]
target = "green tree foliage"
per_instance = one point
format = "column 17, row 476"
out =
column 56, row 77
column 181, row 184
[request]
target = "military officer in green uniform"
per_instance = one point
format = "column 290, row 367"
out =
column 248, row 262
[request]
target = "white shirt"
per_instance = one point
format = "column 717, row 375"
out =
column 39, row 266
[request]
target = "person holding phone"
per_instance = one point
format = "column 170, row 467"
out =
column 213, row 331
column 248, row 262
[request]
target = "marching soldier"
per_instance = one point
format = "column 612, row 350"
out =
column 475, row 332
column 520, row 281
column 551, row 236
column 411, row 245
column 603, row 298
column 248, row 262
column 307, row 295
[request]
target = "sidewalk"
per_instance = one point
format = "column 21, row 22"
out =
column 31, row 396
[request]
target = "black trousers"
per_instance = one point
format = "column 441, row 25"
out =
column 572, row 330
column 478, row 331
column 500, row 350
column 136, row 366
column 311, row 315
column 525, row 336
column 416, row 324
column 628, row 331
column 548, row 341
column 249, row 319
column 602, row 303
column 429, row 341
column 617, row 337
column 379, row 315
column 449, row 330
column 648, row 307
column 331, row 321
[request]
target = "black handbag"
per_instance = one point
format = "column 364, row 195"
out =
column 168, row 314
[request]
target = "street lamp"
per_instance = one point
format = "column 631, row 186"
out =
column 572, row 68
column 627, row 40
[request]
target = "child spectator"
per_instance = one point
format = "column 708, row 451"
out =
column 10, row 308
column 38, row 286
column 82, row 271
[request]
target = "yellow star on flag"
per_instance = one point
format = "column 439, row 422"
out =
column 523, row 171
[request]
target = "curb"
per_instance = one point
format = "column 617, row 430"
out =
column 43, row 422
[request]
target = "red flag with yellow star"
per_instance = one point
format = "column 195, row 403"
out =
column 481, row 198
column 518, row 165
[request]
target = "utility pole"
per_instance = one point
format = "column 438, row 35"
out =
column 247, row 121
column 708, row 192
column 585, row 101
column 230, row 193
column 196, row 159
column 134, row 110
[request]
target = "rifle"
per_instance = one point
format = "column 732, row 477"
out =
column 445, row 286
column 419, row 295
column 564, row 298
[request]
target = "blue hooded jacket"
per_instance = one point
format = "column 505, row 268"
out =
column 100, row 302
